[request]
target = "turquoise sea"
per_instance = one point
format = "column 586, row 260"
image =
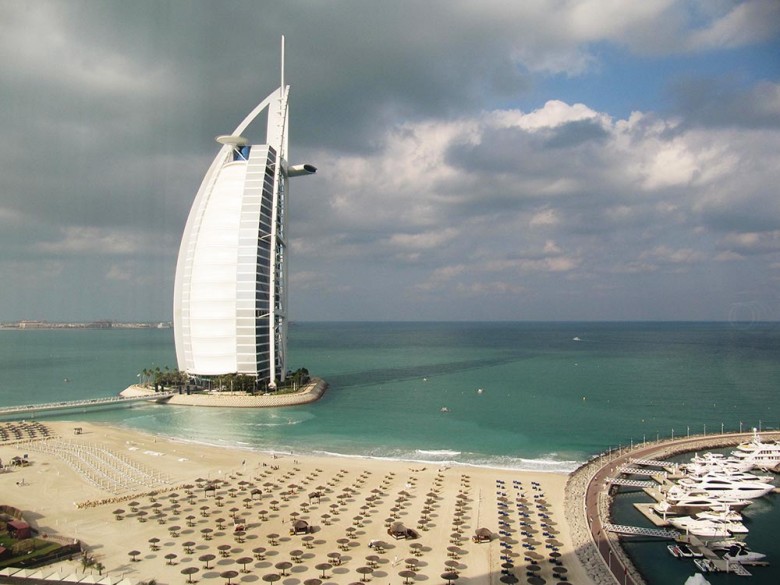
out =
column 552, row 394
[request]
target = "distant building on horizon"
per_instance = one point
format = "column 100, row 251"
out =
column 230, row 292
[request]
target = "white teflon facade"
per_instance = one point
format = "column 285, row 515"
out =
column 230, row 293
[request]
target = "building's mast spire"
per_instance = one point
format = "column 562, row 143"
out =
column 282, row 84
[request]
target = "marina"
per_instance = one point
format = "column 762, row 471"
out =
column 712, row 535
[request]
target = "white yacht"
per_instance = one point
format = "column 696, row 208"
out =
column 726, row 519
column 701, row 464
column 767, row 458
column 684, row 501
column 721, row 514
column 725, row 487
column 706, row 528
column 740, row 553
column 729, row 474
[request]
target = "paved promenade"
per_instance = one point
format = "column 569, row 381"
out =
column 588, row 502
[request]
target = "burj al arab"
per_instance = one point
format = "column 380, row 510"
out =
column 230, row 293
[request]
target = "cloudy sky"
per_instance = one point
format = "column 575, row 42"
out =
column 478, row 160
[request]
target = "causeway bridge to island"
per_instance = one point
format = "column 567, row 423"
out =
column 31, row 410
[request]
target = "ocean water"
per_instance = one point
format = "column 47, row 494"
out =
column 552, row 394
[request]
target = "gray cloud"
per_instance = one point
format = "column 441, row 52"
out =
column 436, row 197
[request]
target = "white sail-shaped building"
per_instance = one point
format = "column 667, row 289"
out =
column 230, row 292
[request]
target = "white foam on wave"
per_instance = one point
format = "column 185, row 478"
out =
column 438, row 452
column 469, row 460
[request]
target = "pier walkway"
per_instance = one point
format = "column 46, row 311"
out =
column 641, row 531
column 653, row 463
column 628, row 470
column 30, row 410
column 631, row 482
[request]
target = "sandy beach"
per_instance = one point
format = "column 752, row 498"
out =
column 77, row 483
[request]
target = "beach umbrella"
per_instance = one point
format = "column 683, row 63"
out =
column 449, row 576
column 229, row 575
column 509, row 579
column 536, row 580
column 244, row 561
column 207, row 558
column 560, row 570
column 170, row 557
column 271, row 577
column 189, row 571
column 283, row 566
column 119, row 513
column 364, row 572
column 153, row 542
column 313, row 581
column 323, row 567
column 133, row 554
column 373, row 560
column 407, row 575
column 296, row 555
column 452, row 565
column 335, row 557
column 259, row 552
column 174, row 530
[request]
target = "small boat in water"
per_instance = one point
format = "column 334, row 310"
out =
column 444, row 409
column 705, row 565
column 683, row 551
column 740, row 553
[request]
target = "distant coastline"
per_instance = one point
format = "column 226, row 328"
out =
column 48, row 325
